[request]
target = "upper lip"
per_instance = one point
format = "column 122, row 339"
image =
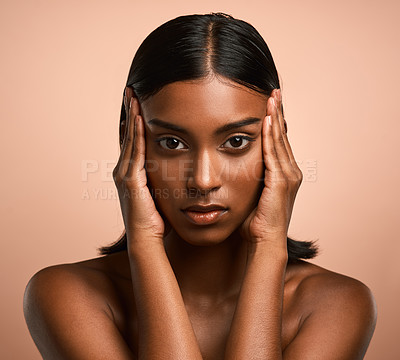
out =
column 205, row 208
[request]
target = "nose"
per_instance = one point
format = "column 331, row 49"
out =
column 204, row 176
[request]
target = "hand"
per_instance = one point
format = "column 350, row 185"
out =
column 270, row 219
column 141, row 218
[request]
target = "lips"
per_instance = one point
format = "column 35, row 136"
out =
column 205, row 214
column 205, row 208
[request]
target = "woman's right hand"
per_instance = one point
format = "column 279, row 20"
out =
column 141, row 218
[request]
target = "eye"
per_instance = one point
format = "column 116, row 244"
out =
column 170, row 143
column 237, row 140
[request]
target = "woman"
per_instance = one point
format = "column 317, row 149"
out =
column 207, row 181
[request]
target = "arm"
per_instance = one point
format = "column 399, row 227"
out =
column 165, row 329
column 257, row 324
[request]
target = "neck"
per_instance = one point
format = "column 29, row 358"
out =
column 209, row 274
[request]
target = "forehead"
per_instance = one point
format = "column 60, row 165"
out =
column 204, row 101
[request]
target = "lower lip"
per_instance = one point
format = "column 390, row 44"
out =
column 204, row 218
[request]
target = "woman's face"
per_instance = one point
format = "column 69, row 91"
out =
column 198, row 161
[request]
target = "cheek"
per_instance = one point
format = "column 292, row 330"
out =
column 163, row 180
column 161, row 172
column 248, row 169
column 247, row 179
column 160, row 189
column 257, row 167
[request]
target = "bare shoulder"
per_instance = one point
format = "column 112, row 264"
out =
column 338, row 312
column 88, row 279
column 323, row 287
column 67, row 312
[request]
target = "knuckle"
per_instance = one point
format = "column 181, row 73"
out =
column 300, row 175
column 118, row 181
column 116, row 175
column 296, row 176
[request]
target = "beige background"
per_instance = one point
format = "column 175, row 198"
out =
column 63, row 68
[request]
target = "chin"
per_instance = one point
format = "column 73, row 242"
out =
column 204, row 237
column 202, row 242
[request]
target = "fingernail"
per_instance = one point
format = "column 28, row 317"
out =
column 273, row 101
column 269, row 120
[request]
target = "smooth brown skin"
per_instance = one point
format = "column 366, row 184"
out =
column 199, row 290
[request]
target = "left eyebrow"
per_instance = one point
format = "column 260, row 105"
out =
column 220, row 130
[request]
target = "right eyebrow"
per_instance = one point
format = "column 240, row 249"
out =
column 220, row 130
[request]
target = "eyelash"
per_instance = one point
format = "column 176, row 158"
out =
column 248, row 138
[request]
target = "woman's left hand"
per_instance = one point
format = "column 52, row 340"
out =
column 269, row 221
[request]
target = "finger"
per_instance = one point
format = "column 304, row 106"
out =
column 123, row 125
column 282, row 124
column 139, row 148
column 279, row 143
column 127, row 145
column 273, row 169
column 290, row 152
column 278, row 104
